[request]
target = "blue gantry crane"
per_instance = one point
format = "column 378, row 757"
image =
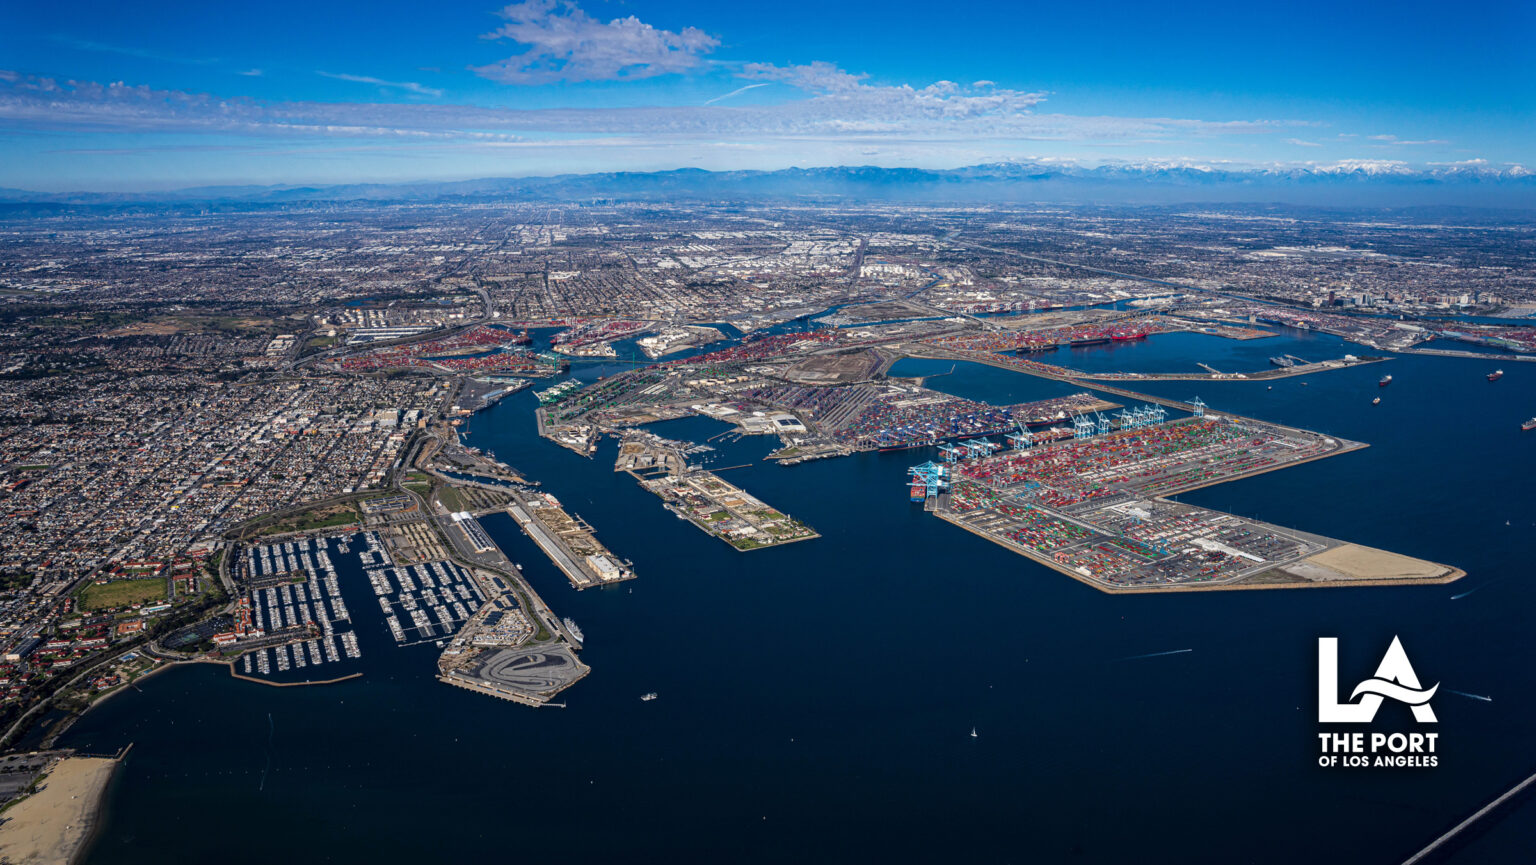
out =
column 1082, row 427
column 1021, row 439
column 979, row 447
column 928, row 480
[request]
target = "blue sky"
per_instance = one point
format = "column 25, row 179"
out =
column 122, row 96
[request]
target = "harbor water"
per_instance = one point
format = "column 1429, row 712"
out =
column 815, row 701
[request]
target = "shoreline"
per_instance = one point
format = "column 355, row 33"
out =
column 59, row 822
column 1452, row 574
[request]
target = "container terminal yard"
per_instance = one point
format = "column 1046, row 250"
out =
column 1079, row 491
column 826, row 393
column 1097, row 508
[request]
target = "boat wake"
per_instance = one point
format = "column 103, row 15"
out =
column 1461, row 595
column 1155, row 655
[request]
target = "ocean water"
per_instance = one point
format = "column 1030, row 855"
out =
column 816, row 700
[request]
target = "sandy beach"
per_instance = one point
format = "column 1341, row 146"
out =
column 49, row 827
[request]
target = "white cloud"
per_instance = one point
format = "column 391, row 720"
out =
column 1300, row 143
column 737, row 92
column 566, row 44
column 817, row 77
column 409, row 86
column 872, row 114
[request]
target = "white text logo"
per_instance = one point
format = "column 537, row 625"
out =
column 1394, row 678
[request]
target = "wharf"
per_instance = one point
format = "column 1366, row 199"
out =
column 1102, row 511
column 1096, row 380
column 717, row 508
column 459, row 681
column 1257, row 375
column 1475, row 355
column 568, row 542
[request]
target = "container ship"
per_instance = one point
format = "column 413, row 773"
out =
column 1385, row 380
column 1496, row 375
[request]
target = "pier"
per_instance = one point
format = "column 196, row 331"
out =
column 1100, row 509
column 716, row 507
column 568, row 542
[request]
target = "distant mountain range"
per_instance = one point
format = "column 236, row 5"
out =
column 1359, row 182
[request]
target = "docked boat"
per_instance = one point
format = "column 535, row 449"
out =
column 1496, row 375
column 1385, row 380
column 575, row 631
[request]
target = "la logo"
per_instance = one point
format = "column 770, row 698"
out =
column 1394, row 678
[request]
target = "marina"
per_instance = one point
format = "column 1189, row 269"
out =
column 295, row 617
column 425, row 602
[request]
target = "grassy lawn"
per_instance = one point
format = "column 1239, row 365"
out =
column 120, row 592
column 452, row 499
column 335, row 515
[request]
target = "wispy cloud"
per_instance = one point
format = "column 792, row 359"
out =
column 942, row 111
column 1300, row 143
column 409, row 86
column 563, row 43
column 130, row 51
column 737, row 92
column 251, row 73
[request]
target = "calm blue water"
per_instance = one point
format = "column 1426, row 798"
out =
column 816, row 700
